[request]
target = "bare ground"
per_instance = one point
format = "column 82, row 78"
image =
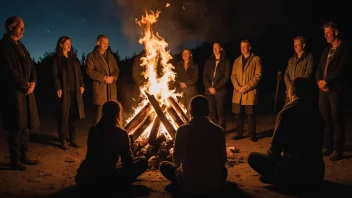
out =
column 54, row 177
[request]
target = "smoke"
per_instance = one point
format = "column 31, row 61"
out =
column 200, row 20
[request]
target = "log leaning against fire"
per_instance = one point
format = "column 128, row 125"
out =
column 138, row 119
column 175, row 116
column 168, row 126
column 144, row 125
column 178, row 109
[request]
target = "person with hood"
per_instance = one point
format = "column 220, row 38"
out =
column 103, row 70
column 216, row 75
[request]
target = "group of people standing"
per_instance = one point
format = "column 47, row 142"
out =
column 107, row 140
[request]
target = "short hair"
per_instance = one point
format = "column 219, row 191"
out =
column 331, row 24
column 102, row 36
column 11, row 22
column 246, row 41
column 302, row 87
column 199, row 106
column 301, row 38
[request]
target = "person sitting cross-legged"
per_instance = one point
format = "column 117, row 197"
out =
column 107, row 141
column 294, row 156
column 199, row 155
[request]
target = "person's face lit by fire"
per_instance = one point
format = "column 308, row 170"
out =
column 217, row 49
column 103, row 44
column 298, row 45
column 330, row 34
column 245, row 47
column 17, row 31
column 66, row 46
column 186, row 55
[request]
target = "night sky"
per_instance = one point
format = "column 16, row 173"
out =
column 185, row 23
column 82, row 20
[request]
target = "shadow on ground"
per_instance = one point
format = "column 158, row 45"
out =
column 230, row 190
column 74, row 191
column 327, row 189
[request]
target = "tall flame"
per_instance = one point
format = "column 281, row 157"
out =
column 158, row 70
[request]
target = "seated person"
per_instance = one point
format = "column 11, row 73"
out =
column 199, row 153
column 294, row 156
column 107, row 141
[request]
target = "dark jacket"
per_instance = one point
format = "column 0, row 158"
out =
column 298, row 133
column 97, row 69
column 222, row 73
column 106, row 143
column 190, row 77
column 17, row 70
column 61, row 82
column 336, row 74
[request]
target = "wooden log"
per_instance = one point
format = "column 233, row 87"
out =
column 168, row 126
column 175, row 116
column 155, row 129
column 138, row 118
column 178, row 109
column 144, row 125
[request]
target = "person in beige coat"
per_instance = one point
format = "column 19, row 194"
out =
column 246, row 75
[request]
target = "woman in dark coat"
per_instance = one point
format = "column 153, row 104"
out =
column 69, row 87
column 187, row 75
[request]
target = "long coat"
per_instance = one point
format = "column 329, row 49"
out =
column 97, row 69
column 61, row 82
column 17, row 70
column 248, row 77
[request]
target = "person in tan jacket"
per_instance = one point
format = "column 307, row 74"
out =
column 246, row 74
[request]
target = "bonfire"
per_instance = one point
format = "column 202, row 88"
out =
column 153, row 124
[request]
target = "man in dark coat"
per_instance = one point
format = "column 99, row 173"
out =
column 19, row 80
column 294, row 156
column 332, row 77
column 103, row 70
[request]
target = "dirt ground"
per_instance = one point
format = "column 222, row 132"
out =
column 54, row 177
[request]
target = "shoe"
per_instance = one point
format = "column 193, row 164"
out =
column 75, row 145
column 326, row 152
column 335, row 156
column 265, row 180
column 254, row 139
column 18, row 166
column 64, row 145
column 29, row 161
column 238, row 136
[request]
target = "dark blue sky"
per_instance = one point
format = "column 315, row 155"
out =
column 82, row 20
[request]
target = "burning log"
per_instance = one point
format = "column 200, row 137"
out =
column 137, row 119
column 161, row 115
column 175, row 116
column 178, row 109
column 154, row 131
column 143, row 126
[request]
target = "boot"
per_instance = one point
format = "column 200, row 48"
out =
column 17, row 165
column 28, row 161
column 254, row 137
column 75, row 144
column 64, row 145
column 335, row 156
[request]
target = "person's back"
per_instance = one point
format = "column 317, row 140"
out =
column 204, row 155
column 105, row 145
